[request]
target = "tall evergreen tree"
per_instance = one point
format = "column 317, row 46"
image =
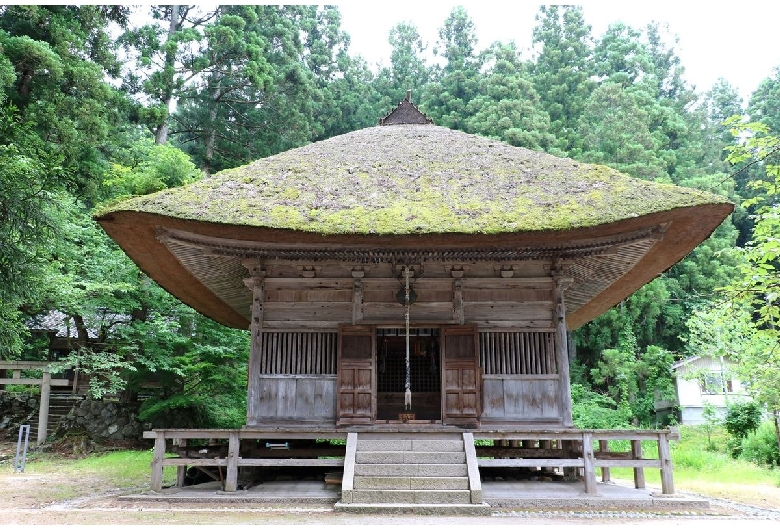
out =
column 562, row 69
column 508, row 107
column 446, row 100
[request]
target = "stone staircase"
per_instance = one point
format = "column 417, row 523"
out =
column 417, row 472
column 59, row 407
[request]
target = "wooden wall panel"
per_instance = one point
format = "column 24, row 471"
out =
column 520, row 398
column 300, row 398
column 319, row 295
column 507, row 295
column 301, row 312
column 431, row 312
column 509, row 311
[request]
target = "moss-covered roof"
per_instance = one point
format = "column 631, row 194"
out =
column 415, row 179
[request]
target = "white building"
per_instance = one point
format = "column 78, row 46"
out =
column 702, row 380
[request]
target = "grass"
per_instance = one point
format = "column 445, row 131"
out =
column 702, row 466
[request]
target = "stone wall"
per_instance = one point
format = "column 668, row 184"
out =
column 109, row 420
column 103, row 419
column 15, row 410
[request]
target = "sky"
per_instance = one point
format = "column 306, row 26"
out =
column 737, row 41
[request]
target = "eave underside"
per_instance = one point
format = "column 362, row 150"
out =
column 221, row 265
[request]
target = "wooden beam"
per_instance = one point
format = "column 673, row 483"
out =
column 27, row 381
column 531, row 462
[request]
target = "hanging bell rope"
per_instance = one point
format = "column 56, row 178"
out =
column 408, row 387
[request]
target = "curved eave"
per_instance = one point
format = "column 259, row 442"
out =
column 136, row 233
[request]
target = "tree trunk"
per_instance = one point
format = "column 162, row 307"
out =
column 161, row 133
column 776, row 414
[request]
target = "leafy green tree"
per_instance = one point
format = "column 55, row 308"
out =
column 749, row 317
column 615, row 127
column 229, row 118
column 61, row 58
column 167, row 55
column 149, row 167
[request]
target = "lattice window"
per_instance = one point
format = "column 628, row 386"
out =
column 294, row 353
column 517, row 353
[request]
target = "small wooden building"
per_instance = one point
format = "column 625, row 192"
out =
column 505, row 249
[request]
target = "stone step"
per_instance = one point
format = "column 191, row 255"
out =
column 411, row 483
column 440, row 446
column 411, row 496
column 411, row 470
column 418, row 509
column 409, row 457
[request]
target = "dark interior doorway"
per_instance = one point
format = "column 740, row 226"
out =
column 425, row 373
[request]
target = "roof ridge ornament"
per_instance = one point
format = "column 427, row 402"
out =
column 406, row 113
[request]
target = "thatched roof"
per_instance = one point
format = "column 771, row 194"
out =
column 411, row 179
column 414, row 186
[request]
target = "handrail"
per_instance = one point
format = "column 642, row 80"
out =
column 583, row 457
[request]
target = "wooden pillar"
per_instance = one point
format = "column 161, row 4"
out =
column 639, row 472
column 231, row 480
column 605, row 473
column 665, row 456
column 157, row 461
column 256, row 283
column 181, row 471
column 357, row 296
column 458, row 312
column 588, row 460
column 561, row 346
column 43, row 411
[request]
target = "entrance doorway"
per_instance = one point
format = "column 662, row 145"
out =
column 424, row 368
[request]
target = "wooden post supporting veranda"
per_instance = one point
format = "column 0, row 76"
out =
column 231, row 480
column 606, row 476
column 665, row 456
column 157, row 461
column 639, row 472
column 588, row 462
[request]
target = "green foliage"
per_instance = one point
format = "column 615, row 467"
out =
column 760, row 446
column 742, row 418
column 711, row 420
column 593, row 410
column 154, row 167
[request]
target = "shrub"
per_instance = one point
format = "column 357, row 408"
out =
column 760, row 446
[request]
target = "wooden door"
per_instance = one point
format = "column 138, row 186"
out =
column 356, row 375
column 461, row 376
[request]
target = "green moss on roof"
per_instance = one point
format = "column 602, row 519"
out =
column 406, row 179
